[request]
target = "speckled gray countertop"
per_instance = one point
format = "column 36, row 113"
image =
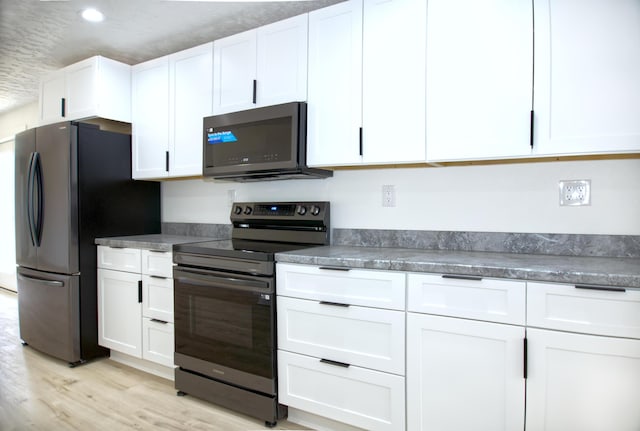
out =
column 159, row 242
column 606, row 271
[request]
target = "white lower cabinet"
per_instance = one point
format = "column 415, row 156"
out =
column 135, row 305
column 464, row 374
column 582, row 382
column 357, row 396
column 341, row 349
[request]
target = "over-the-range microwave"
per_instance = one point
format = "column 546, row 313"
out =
column 265, row 143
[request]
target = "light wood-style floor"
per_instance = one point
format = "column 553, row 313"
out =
column 41, row 393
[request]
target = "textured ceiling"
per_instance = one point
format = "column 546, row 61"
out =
column 37, row 37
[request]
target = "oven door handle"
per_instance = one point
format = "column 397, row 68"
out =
column 205, row 279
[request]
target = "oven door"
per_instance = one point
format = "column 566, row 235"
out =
column 225, row 327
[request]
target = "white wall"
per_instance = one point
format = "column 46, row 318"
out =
column 492, row 198
column 17, row 120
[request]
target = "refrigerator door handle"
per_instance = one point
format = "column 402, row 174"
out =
column 41, row 281
column 30, row 185
column 40, row 196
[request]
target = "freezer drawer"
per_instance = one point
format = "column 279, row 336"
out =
column 49, row 313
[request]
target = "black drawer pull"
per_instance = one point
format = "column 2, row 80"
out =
column 335, row 304
column 158, row 276
column 335, row 363
column 334, row 268
column 159, row 321
column 462, row 277
column 602, row 288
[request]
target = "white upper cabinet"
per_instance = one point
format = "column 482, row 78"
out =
column 479, row 79
column 334, row 111
column 260, row 67
column 587, row 77
column 367, row 83
column 95, row 87
column 171, row 95
column 393, row 81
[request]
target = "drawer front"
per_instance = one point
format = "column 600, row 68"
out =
column 119, row 259
column 158, row 263
column 157, row 298
column 492, row 300
column 157, row 341
column 599, row 312
column 366, row 337
column 381, row 289
column 356, row 396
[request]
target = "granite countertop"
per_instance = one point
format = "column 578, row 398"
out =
column 605, row 271
column 158, row 242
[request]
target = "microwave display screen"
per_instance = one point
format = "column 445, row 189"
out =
column 257, row 142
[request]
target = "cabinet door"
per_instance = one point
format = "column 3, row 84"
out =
column 587, row 76
column 464, row 374
column 479, row 79
column 282, row 61
column 158, row 341
column 150, row 114
column 157, row 298
column 582, row 382
column 190, row 99
column 361, row 336
column 52, row 93
column 334, row 111
column 119, row 312
column 356, row 396
column 81, row 86
column 393, row 81
column 234, row 71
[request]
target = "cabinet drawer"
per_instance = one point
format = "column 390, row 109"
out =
column 158, row 263
column 382, row 289
column 157, row 298
column 119, row 259
column 501, row 301
column 366, row 337
column 356, row 396
column 600, row 312
column 157, row 341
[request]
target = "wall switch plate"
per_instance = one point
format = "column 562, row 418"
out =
column 388, row 196
column 575, row 192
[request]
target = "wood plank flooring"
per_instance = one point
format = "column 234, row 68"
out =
column 41, row 393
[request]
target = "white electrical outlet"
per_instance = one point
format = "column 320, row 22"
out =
column 575, row 192
column 388, row 195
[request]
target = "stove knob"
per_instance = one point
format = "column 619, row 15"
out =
column 237, row 209
column 315, row 210
column 247, row 210
column 302, row 210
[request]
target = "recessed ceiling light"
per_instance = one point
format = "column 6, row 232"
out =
column 92, row 15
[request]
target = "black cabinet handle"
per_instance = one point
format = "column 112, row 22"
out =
column 166, row 161
column 462, row 277
column 361, row 143
column 159, row 321
column 531, row 129
column 139, row 291
column 601, row 288
column 63, row 107
column 255, row 91
column 335, row 363
column 526, row 362
column 158, row 276
column 335, row 304
column 334, row 268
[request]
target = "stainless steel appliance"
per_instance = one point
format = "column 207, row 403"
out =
column 225, row 305
column 73, row 184
column 259, row 144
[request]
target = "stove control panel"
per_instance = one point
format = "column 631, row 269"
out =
column 279, row 210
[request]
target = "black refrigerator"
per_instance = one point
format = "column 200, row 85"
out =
column 73, row 184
